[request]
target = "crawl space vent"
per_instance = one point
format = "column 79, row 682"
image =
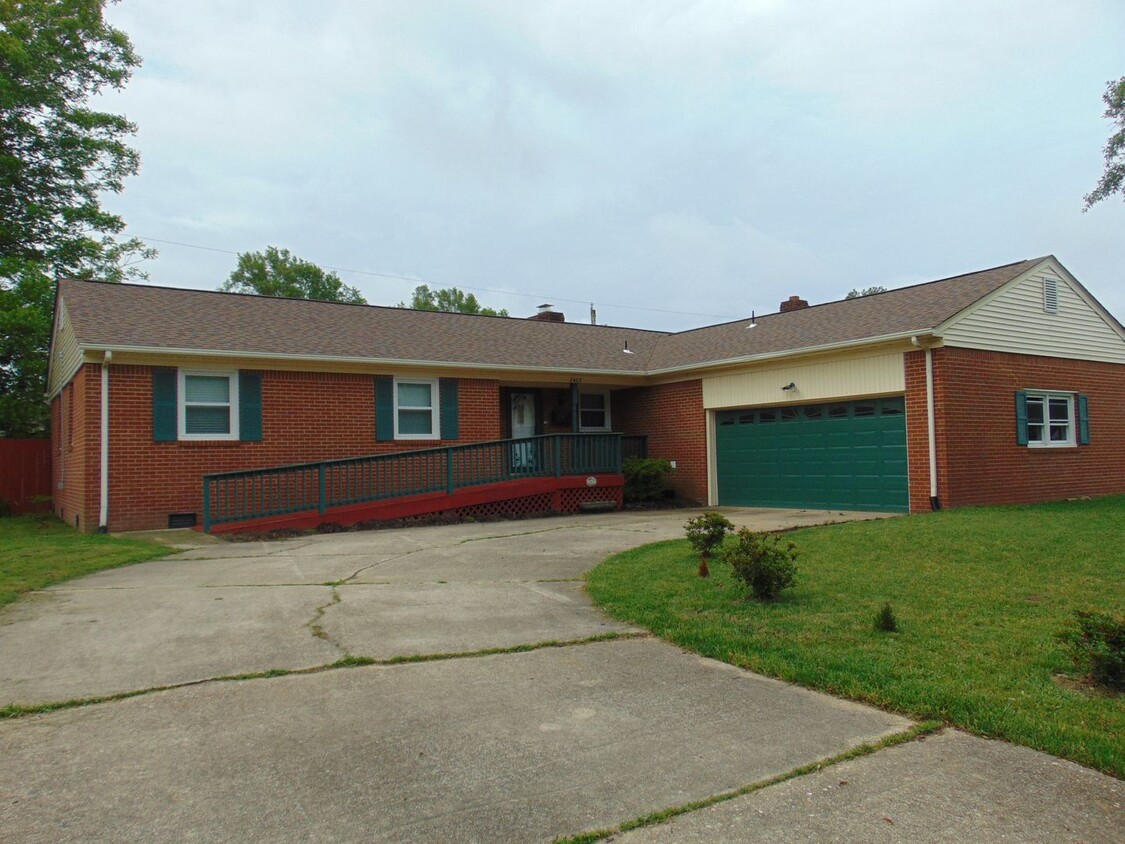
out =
column 181, row 520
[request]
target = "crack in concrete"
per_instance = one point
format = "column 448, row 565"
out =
column 14, row 710
column 914, row 733
column 317, row 629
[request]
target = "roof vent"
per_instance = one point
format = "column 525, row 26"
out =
column 1050, row 295
column 793, row 303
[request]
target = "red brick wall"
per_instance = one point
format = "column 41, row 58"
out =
column 673, row 417
column 305, row 417
column 75, row 442
column 979, row 461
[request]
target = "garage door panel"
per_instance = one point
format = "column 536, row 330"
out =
column 847, row 455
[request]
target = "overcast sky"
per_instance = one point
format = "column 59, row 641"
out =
column 692, row 160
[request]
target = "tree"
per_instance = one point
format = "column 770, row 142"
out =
column 58, row 157
column 867, row 291
column 278, row 272
column 1113, row 179
column 448, row 299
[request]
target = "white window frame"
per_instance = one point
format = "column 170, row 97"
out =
column 181, row 404
column 1072, row 419
column 435, row 409
column 608, row 426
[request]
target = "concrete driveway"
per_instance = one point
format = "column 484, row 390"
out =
column 501, row 707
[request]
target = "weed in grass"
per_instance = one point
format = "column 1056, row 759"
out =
column 885, row 621
column 1097, row 647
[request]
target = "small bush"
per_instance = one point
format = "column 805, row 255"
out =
column 763, row 562
column 645, row 478
column 885, row 620
column 706, row 534
column 1098, row 647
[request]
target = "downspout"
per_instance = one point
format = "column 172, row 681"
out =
column 103, row 514
column 931, row 429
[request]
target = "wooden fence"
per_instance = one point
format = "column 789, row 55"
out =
column 25, row 476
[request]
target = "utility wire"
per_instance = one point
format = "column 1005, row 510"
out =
column 539, row 296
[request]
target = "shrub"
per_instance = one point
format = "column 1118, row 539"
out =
column 706, row 533
column 645, row 477
column 885, row 620
column 763, row 562
column 1098, row 647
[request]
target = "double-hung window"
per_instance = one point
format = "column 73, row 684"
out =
column 416, row 409
column 208, row 405
column 593, row 412
column 1047, row 419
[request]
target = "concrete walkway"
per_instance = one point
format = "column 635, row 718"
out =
column 588, row 725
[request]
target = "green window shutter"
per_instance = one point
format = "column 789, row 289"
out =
column 384, row 408
column 1083, row 420
column 249, row 407
column 450, row 424
column 1021, row 418
column 165, row 427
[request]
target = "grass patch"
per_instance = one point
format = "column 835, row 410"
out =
column 36, row 551
column 979, row 595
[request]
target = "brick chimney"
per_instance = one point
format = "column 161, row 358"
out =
column 547, row 313
column 793, row 303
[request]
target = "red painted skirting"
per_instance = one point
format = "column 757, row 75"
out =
column 607, row 487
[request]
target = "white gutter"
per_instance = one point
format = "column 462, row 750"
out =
column 103, row 513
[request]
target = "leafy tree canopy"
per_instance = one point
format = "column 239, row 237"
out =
column 58, row 157
column 278, row 272
column 1113, row 179
column 867, row 291
column 448, row 299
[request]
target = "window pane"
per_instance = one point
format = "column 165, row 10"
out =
column 813, row 413
column 415, row 422
column 592, row 401
column 788, row 414
column 592, row 418
column 207, row 388
column 767, row 416
column 864, row 410
column 746, row 419
column 206, row 420
column 1034, row 411
column 1060, row 433
column 414, row 395
column 1060, row 410
column 1035, row 433
column 838, row 411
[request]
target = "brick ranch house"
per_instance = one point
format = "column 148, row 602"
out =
column 1000, row 386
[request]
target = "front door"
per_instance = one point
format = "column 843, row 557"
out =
column 523, row 425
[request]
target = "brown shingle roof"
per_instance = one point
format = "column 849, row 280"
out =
column 137, row 316
column 908, row 310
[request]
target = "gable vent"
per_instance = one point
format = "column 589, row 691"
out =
column 1051, row 295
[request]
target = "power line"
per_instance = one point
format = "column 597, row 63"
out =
column 543, row 297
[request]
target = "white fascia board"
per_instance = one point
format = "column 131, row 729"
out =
column 364, row 361
column 789, row 353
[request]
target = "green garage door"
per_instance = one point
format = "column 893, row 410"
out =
column 842, row 455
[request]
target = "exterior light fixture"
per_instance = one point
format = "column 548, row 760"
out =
column 789, row 386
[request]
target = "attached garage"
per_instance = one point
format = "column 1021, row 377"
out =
column 830, row 455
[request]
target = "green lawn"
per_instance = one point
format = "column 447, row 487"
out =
column 979, row 594
column 36, row 551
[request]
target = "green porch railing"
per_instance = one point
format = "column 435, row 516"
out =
column 258, row 493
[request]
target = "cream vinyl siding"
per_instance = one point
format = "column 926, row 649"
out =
column 1015, row 321
column 65, row 355
column 835, row 379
